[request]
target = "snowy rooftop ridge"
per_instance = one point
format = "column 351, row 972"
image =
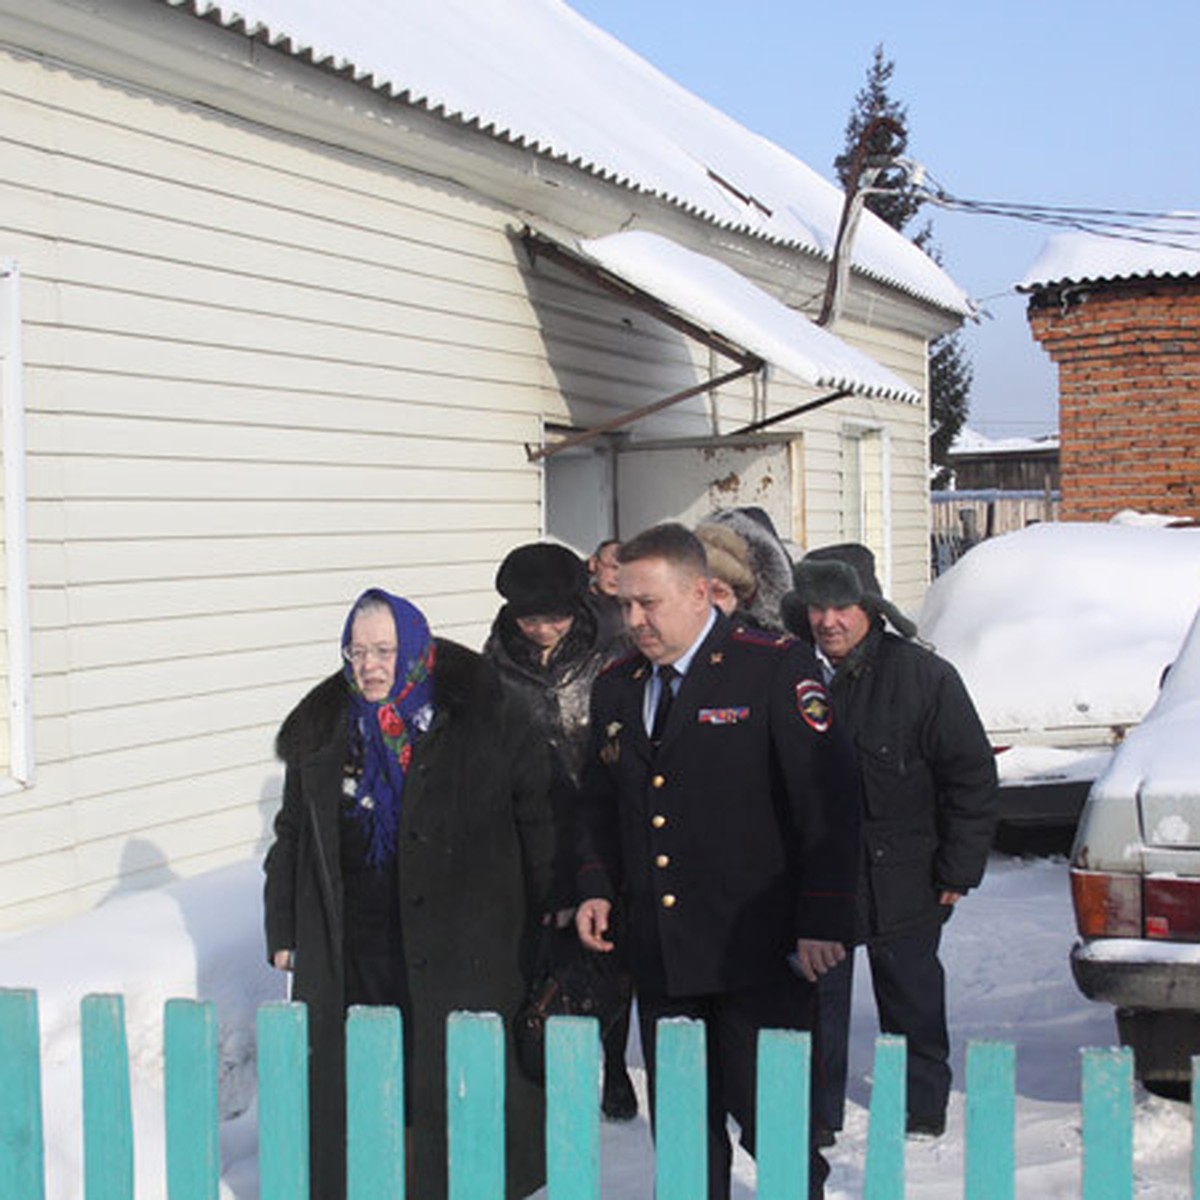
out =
column 538, row 75
column 971, row 441
column 1092, row 258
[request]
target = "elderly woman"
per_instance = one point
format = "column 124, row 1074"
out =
column 412, row 856
column 549, row 643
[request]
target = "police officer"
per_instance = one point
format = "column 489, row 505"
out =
column 720, row 805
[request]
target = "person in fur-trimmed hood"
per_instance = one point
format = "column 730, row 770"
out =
column 767, row 559
column 412, row 860
column 929, row 814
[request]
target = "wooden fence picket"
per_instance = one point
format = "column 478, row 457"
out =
column 107, row 1106
column 283, row 1101
column 680, row 1111
column 990, row 1168
column 782, row 1114
column 190, row 1104
column 475, row 1105
column 374, row 1104
column 22, row 1158
column 885, row 1133
column 573, row 1108
column 1107, row 1124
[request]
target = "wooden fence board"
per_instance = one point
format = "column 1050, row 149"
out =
column 475, row 1105
column 283, row 1101
column 573, row 1108
column 107, row 1107
column 1107, row 1124
column 681, row 1156
column 190, row 1100
column 374, row 1104
column 782, row 1136
column 991, row 1121
column 885, row 1134
column 22, row 1161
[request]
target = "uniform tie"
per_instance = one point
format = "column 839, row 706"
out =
column 666, row 695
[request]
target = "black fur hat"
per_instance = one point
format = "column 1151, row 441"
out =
column 837, row 577
column 541, row 578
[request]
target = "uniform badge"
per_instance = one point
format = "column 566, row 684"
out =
column 813, row 704
column 723, row 716
column 716, row 658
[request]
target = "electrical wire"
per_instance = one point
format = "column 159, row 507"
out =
column 1175, row 230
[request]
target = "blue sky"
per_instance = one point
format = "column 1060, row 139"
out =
column 1067, row 102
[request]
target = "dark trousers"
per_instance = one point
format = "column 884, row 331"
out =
column 732, row 1023
column 910, row 997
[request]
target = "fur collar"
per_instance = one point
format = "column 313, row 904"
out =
column 460, row 678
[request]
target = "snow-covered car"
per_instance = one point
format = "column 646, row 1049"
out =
column 1061, row 632
column 1135, row 882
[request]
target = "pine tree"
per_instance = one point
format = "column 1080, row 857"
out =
column 950, row 378
column 950, row 372
column 897, row 206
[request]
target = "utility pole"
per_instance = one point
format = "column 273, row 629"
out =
column 864, row 172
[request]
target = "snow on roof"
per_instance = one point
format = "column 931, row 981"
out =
column 719, row 298
column 535, row 73
column 1089, row 257
column 970, row 441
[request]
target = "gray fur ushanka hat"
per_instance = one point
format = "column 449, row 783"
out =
column 837, row 577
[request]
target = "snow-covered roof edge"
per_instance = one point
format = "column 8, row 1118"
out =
column 1091, row 258
column 535, row 74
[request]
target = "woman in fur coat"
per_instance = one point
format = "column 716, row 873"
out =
column 412, row 860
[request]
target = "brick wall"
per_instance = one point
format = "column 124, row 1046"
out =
column 1128, row 356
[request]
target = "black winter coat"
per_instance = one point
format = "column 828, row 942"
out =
column 928, row 779
column 476, row 846
column 558, row 695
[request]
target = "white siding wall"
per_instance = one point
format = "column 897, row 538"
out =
column 258, row 378
column 261, row 375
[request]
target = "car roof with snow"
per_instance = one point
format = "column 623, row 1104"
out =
column 1066, row 626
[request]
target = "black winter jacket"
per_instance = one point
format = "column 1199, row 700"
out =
column 928, row 780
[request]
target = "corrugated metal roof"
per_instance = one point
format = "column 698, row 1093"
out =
column 1089, row 258
column 535, row 74
column 717, row 297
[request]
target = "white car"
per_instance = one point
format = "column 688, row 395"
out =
column 1061, row 632
column 1135, row 883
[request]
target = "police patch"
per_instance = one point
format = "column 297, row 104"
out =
column 813, row 704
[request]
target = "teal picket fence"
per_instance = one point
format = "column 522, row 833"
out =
column 475, row 1113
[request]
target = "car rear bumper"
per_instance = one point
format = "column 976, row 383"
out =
column 1138, row 973
column 1057, row 802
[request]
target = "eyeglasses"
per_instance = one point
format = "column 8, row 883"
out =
column 357, row 655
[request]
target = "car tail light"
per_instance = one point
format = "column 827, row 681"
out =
column 1172, row 908
column 1107, row 905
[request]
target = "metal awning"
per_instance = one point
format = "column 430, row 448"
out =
column 722, row 309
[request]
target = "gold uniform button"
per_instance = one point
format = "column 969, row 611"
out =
column 658, row 820
column 658, row 781
column 668, row 901
column 662, row 860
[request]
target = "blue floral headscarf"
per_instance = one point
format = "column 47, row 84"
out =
column 386, row 727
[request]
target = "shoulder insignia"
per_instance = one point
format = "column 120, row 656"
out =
column 814, row 705
column 624, row 661
column 762, row 637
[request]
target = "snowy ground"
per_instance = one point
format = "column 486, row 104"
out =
column 1006, row 955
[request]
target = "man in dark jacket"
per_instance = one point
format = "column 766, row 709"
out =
column 929, row 794
column 719, row 801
